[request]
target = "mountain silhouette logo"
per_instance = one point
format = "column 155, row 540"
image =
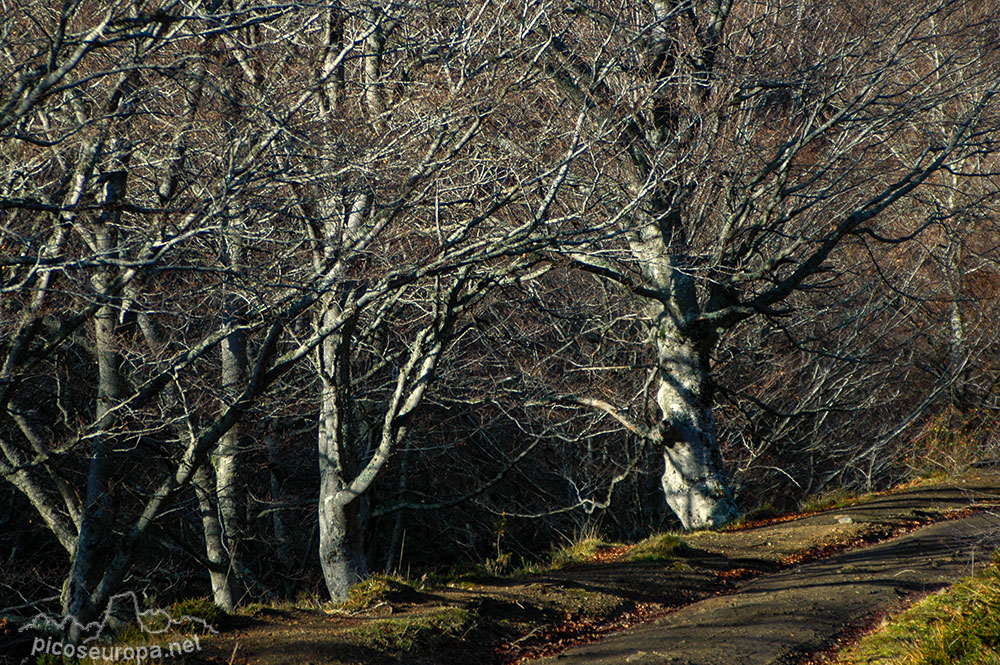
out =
column 154, row 621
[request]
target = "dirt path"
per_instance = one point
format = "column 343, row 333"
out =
column 757, row 595
column 781, row 617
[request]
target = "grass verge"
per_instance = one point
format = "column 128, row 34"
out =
column 957, row 626
column 376, row 590
column 583, row 548
column 838, row 498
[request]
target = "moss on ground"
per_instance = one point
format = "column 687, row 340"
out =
column 405, row 635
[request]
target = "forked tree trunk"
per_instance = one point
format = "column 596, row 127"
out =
column 341, row 542
column 341, row 534
column 693, row 480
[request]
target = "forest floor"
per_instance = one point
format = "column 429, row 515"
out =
column 772, row 592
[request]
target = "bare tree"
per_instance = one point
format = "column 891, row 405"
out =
column 750, row 144
column 216, row 216
column 349, row 211
column 428, row 193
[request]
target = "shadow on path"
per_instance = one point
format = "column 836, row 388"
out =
column 778, row 618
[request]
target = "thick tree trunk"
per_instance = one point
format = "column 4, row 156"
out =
column 341, row 543
column 341, row 534
column 91, row 546
column 693, row 480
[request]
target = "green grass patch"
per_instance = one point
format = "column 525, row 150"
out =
column 377, row 589
column 198, row 608
column 156, row 637
column 660, row 547
column 957, row 626
column 402, row 636
column 252, row 609
column 581, row 550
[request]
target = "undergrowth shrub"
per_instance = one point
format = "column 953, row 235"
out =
column 953, row 440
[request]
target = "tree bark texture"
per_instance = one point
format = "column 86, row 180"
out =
column 693, row 480
column 220, row 569
column 341, row 533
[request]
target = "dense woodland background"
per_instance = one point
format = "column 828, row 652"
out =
column 303, row 288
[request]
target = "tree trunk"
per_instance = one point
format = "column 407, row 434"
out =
column 693, row 480
column 282, row 533
column 92, row 545
column 394, row 559
column 228, row 466
column 229, row 473
column 341, row 542
column 958, row 346
column 220, row 568
column 374, row 49
column 341, row 534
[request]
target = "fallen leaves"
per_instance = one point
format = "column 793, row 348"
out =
column 611, row 554
column 737, row 574
column 575, row 629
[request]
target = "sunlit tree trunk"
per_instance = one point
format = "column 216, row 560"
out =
column 693, row 481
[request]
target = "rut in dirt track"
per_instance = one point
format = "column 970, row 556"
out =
column 780, row 618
